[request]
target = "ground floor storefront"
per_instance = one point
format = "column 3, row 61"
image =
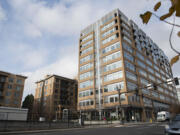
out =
column 127, row 114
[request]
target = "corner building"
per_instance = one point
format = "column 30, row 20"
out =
column 11, row 89
column 54, row 94
column 115, row 54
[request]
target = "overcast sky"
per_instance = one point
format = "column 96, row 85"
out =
column 39, row 37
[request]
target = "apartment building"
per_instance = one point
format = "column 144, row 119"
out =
column 54, row 94
column 11, row 89
column 116, row 58
column 178, row 94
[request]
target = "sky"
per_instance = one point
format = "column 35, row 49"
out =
column 39, row 37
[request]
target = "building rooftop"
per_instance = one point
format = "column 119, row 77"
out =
column 7, row 73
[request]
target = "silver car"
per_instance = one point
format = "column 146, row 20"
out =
column 173, row 128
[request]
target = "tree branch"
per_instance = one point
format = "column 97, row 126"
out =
column 170, row 38
column 166, row 21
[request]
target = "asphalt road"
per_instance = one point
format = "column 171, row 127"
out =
column 145, row 129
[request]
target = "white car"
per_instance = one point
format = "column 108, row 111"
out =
column 163, row 116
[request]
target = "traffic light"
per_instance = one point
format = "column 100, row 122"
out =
column 176, row 81
column 136, row 91
column 155, row 86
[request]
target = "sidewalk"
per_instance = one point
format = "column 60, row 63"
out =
column 85, row 127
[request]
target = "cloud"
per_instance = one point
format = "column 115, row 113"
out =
column 65, row 65
column 2, row 14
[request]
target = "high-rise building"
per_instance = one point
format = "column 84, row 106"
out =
column 116, row 58
column 54, row 94
column 11, row 89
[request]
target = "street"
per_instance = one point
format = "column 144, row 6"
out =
column 135, row 129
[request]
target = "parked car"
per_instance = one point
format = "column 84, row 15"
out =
column 163, row 116
column 173, row 127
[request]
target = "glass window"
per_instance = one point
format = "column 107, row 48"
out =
column 131, row 86
column 113, row 66
column 111, row 47
column 85, row 59
column 86, row 75
column 9, row 86
column 86, row 50
column 86, row 93
column 113, row 76
column 86, row 67
column 86, row 38
column 141, row 64
column 127, row 39
column 146, row 91
column 155, row 94
column 86, row 102
column 8, row 93
column 114, row 87
column 127, row 33
column 147, row 102
column 131, row 76
column 151, row 78
column 128, row 56
column 130, row 66
column 150, row 70
column 108, row 32
column 127, row 47
column 109, row 39
column 144, row 81
column 140, row 56
column 112, row 98
column 108, row 25
column 19, row 81
column 112, row 56
column 87, row 43
column 148, row 62
column 86, row 84
column 11, row 80
column 142, row 72
column 125, row 26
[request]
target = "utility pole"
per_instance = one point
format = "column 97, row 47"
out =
column 119, row 108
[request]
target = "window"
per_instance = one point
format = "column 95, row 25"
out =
column 8, row 93
column 134, row 98
column 149, row 62
column 85, row 59
column 146, row 91
column 86, row 67
column 144, row 81
column 130, row 66
column 125, row 26
column 155, row 94
column 86, row 84
column 127, row 33
column 147, row 102
column 160, row 89
column 108, row 32
column 19, row 81
column 112, row 56
column 113, row 76
column 114, row 87
column 108, row 26
column 111, row 47
column 86, row 75
column 2, row 79
column 86, row 93
column 131, row 86
column 141, row 64
column 140, row 56
column 86, row 38
column 86, row 50
column 129, row 56
column 150, row 70
column 151, row 78
column 157, row 74
column 113, row 98
column 9, row 86
column 127, row 39
column 16, row 94
column 109, row 39
column 113, row 66
column 86, row 102
column 11, row 80
column 142, row 72
column 127, row 47
column 87, row 43
column 131, row 76
column 18, row 88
